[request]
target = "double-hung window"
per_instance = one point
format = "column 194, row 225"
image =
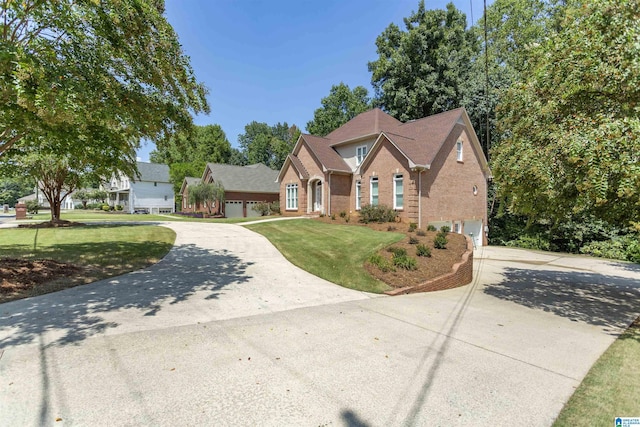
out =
column 358, row 194
column 292, row 196
column 459, row 151
column 398, row 192
column 373, row 194
column 361, row 153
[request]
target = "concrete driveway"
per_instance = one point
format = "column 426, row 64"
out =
column 224, row 331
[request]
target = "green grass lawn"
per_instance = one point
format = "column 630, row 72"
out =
column 611, row 388
column 79, row 215
column 103, row 250
column 333, row 252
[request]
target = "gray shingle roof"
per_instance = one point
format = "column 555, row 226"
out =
column 155, row 172
column 256, row 178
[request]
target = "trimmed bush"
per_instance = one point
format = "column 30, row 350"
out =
column 119, row 207
column 396, row 251
column 106, row 208
column 423, row 250
column 263, row 208
column 381, row 262
column 413, row 240
column 274, row 207
column 440, row 241
column 405, row 262
column 421, row 233
column 32, row 206
column 343, row 214
column 445, row 229
column 431, row 227
column 412, row 227
column 391, row 228
column 380, row 213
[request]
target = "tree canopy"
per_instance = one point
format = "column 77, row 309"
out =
column 270, row 145
column 421, row 71
column 108, row 73
column 571, row 122
column 341, row 105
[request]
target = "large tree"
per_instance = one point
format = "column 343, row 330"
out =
column 201, row 144
column 421, row 70
column 572, row 122
column 108, row 73
column 341, row 105
column 270, row 145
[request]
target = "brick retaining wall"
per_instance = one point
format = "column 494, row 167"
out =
column 460, row 275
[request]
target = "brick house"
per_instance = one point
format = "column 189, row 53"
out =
column 245, row 186
column 431, row 171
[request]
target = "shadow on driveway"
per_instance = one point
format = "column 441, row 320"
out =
column 607, row 301
column 75, row 313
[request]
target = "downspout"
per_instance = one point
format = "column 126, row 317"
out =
column 329, row 196
column 419, row 198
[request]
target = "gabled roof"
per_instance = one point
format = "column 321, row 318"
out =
column 256, row 178
column 189, row 180
column 367, row 123
column 327, row 156
column 155, row 172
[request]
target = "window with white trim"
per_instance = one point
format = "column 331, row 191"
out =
column 398, row 192
column 358, row 194
column 361, row 153
column 459, row 150
column 373, row 194
column 457, row 227
column 292, row 196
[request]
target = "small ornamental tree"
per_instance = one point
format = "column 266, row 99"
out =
column 206, row 195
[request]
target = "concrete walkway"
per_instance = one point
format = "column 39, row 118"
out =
column 223, row 331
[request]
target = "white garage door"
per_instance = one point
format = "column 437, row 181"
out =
column 233, row 208
column 473, row 228
column 250, row 211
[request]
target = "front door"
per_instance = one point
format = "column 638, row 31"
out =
column 317, row 202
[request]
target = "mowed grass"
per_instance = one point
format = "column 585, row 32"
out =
column 100, row 250
column 611, row 388
column 90, row 215
column 333, row 252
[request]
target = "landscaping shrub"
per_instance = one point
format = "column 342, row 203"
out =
column 106, row 208
column 623, row 248
column 274, row 207
column 32, row 206
column 413, row 240
column 381, row 262
column 343, row 214
column 536, row 242
column 431, row 227
column 405, row 262
column 423, row 250
column 380, row 213
column 445, row 229
column 421, row 233
column 391, row 228
column 333, row 217
column 396, row 251
column 119, row 207
column 262, row 208
column 412, row 227
column 440, row 241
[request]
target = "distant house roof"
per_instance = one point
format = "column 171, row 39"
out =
column 189, row 180
column 27, row 198
column 154, row 172
column 256, row 178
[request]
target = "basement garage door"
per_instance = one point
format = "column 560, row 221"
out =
column 233, row 209
column 474, row 228
column 250, row 211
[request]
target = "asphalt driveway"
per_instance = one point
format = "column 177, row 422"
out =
column 224, row 331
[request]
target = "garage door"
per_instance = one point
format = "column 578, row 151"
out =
column 250, row 211
column 473, row 228
column 233, row 209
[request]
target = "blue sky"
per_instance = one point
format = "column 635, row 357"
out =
column 273, row 61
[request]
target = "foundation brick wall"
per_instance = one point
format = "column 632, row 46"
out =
column 340, row 194
column 461, row 274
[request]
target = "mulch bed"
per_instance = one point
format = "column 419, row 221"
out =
column 20, row 276
column 52, row 224
column 441, row 260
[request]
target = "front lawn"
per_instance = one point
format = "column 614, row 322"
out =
column 611, row 388
column 333, row 252
column 87, row 253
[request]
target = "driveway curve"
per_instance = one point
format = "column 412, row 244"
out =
column 223, row 331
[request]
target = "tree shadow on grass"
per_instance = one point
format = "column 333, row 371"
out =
column 607, row 301
column 74, row 314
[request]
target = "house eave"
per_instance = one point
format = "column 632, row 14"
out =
column 356, row 139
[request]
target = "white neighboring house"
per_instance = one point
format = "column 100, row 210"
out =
column 67, row 202
column 150, row 193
